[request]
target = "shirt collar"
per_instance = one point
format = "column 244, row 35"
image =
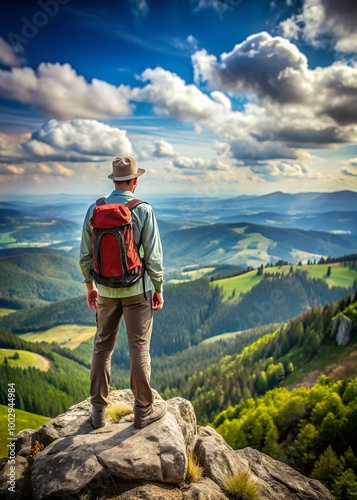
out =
column 122, row 192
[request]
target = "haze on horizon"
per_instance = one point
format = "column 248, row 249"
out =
column 213, row 97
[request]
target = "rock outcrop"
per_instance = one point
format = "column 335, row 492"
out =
column 342, row 327
column 66, row 457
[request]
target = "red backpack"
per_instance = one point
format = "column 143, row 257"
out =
column 115, row 256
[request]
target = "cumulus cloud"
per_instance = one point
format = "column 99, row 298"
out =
column 163, row 149
column 289, row 106
column 171, row 96
column 323, row 20
column 199, row 165
column 273, row 69
column 317, row 112
column 8, row 57
column 57, row 90
column 74, row 140
column 262, row 64
column 276, row 168
column 88, row 137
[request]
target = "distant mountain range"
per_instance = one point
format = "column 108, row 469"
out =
column 250, row 244
column 213, row 210
column 244, row 231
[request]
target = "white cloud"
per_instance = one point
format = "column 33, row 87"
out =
column 276, row 168
column 13, row 169
column 57, row 90
column 62, row 170
column 74, row 140
column 88, row 137
column 273, row 69
column 31, row 169
column 323, row 20
column 267, row 66
column 199, row 165
column 163, row 149
column 171, row 96
column 8, row 57
column 317, row 112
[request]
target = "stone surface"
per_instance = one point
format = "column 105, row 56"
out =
column 344, row 330
column 206, row 489
column 21, row 484
column 121, row 462
column 155, row 453
column 278, row 481
column 151, row 492
column 65, row 467
column 216, row 456
column 185, row 417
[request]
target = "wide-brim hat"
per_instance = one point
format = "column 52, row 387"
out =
column 125, row 168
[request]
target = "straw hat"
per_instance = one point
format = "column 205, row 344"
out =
column 125, row 168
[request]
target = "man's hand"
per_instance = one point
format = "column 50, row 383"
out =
column 92, row 296
column 157, row 301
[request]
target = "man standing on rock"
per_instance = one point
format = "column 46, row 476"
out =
column 134, row 302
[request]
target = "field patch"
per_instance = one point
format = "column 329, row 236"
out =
column 236, row 286
column 5, row 312
column 340, row 276
column 25, row 359
column 24, row 420
column 70, row 336
column 222, row 336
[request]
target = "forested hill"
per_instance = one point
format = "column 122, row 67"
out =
column 194, row 311
column 279, row 358
column 312, row 430
column 34, row 277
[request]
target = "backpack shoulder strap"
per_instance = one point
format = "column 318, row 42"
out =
column 134, row 203
column 100, row 201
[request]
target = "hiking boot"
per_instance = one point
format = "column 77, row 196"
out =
column 144, row 416
column 98, row 417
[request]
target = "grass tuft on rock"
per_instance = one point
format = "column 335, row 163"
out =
column 194, row 469
column 241, row 486
column 118, row 410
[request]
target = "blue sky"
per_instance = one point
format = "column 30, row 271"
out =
column 210, row 96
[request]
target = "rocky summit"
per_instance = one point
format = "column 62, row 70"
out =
column 67, row 458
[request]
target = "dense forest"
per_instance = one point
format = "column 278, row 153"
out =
column 193, row 311
column 269, row 362
column 49, row 277
column 313, row 430
column 45, row 393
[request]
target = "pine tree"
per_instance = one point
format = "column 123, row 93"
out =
column 327, row 468
column 345, row 486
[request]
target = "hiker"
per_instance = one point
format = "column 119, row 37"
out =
column 128, row 295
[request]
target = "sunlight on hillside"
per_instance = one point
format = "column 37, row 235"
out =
column 17, row 358
column 70, row 336
column 236, row 286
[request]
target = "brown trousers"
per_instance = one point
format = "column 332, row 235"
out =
column 138, row 318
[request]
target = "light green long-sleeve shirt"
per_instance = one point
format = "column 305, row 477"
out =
column 145, row 230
